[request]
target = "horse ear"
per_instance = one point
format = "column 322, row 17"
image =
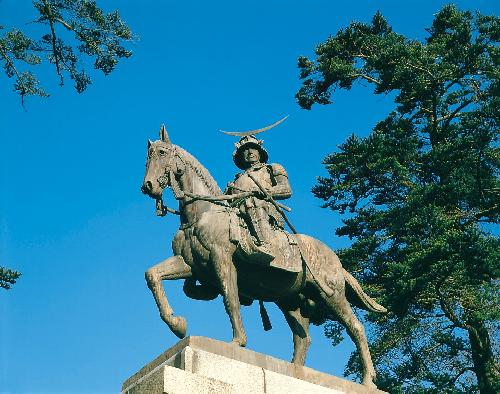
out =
column 150, row 143
column 164, row 134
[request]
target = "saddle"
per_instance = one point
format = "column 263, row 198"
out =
column 284, row 246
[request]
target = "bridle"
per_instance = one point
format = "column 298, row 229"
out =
column 169, row 176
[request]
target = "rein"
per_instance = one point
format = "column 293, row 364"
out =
column 222, row 197
column 180, row 195
column 162, row 210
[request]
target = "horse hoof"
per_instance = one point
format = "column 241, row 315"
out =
column 369, row 383
column 240, row 341
column 179, row 326
column 299, row 361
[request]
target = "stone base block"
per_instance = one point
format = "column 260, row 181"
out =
column 206, row 366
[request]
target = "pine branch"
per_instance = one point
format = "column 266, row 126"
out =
column 9, row 60
column 448, row 311
column 368, row 78
column 451, row 116
column 462, row 371
column 415, row 67
column 54, row 38
column 8, row 277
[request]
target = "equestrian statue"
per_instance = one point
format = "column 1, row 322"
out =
column 234, row 244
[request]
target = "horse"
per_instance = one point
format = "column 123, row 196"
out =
column 207, row 259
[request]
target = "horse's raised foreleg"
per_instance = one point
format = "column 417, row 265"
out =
column 170, row 269
column 356, row 331
column 300, row 330
column 228, row 280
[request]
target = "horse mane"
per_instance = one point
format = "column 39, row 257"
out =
column 199, row 169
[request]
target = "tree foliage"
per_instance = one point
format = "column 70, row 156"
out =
column 8, row 277
column 72, row 30
column 421, row 195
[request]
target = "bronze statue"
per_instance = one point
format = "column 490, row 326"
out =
column 266, row 182
column 218, row 250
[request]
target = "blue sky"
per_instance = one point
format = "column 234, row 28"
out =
column 72, row 218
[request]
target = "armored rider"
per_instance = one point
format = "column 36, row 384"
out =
column 259, row 213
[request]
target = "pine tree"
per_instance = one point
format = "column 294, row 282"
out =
column 420, row 196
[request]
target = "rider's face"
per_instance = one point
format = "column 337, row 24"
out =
column 251, row 156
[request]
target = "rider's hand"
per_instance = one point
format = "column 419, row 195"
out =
column 229, row 188
column 259, row 194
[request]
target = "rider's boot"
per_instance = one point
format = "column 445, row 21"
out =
column 263, row 234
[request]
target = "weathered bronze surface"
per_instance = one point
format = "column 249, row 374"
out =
column 234, row 245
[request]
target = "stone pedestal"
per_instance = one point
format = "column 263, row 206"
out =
column 203, row 365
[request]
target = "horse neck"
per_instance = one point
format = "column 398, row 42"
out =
column 197, row 180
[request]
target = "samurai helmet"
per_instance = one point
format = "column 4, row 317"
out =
column 248, row 141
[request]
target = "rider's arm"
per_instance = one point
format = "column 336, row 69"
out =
column 230, row 186
column 281, row 187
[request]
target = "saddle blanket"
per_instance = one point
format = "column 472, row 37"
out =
column 284, row 247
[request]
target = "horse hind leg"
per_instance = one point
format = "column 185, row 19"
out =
column 345, row 315
column 169, row 269
column 300, row 330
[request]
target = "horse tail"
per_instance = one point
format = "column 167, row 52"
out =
column 356, row 295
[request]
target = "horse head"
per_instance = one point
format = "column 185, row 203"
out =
column 161, row 166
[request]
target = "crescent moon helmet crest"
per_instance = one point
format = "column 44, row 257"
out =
column 253, row 132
